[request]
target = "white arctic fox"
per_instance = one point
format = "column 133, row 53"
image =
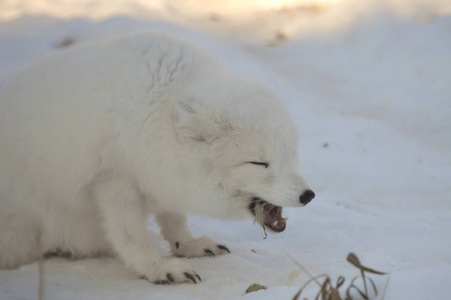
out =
column 99, row 137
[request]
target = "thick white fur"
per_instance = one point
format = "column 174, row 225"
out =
column 99, row 137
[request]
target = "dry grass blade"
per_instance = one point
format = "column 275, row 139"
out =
column 340, row 281
column 329, row 292
column 304, row 269
column 324, row 289
column 373, row 285
column 312, row 279
column 41, row 280
column 334, row 294
column 260, row 217
column 354, row 260
column 353, row 286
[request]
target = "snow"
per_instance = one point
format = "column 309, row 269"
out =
column 369, row 84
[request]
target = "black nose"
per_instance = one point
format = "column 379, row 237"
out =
column 307, row 196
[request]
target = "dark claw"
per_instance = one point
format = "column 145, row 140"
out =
column 222, row 247
column 170, row 278
column 169, row 281
column 198, row 277
column 189, row 276
column 209, row 252
column 177, row 245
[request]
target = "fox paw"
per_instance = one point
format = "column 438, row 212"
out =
column 203, row 246
column 172, row 271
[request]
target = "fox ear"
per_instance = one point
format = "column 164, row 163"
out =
column 193, row 121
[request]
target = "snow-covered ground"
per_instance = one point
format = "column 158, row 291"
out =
column 369, row 84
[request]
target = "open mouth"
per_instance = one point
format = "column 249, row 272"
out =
column 267, row 214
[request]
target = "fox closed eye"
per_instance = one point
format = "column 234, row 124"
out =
column 259, row 163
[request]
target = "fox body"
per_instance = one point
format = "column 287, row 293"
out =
column 99, row 137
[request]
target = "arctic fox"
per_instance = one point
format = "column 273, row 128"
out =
column 99, row 137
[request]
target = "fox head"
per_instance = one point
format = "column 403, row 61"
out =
column 245, row 144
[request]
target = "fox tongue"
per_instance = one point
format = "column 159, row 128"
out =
column 274, row 218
